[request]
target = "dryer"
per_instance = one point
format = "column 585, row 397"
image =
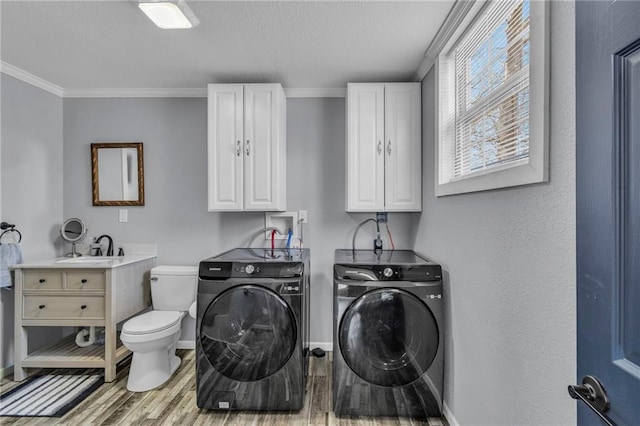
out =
column 388, row 343
column 252, row 330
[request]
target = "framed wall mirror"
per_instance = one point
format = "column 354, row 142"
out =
column 117, row 174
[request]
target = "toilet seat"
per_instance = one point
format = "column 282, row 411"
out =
column 150, row 326
column 151, row 321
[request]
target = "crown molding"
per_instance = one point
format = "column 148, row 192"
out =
column 296, row 92
column 13, row 71
column 29, row 78
column 193, row 93
column 451, row 23
column 136, row 93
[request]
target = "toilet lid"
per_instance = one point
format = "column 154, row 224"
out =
column 151, row 322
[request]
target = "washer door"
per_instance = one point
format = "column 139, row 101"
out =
column 248, row 333
column 388, row 337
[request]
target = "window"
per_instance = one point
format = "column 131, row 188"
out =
column 492, row 88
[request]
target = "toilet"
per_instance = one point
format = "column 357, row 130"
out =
column 153, row 335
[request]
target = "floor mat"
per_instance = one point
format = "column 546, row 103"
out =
column 48, row 396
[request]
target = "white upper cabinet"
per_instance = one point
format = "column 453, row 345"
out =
column 225, row 147
column 247, row 147
column 384, row 159
column 365, row 147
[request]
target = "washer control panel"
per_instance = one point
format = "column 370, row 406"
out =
column 224, row 270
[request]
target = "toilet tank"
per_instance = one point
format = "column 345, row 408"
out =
column 173, row 288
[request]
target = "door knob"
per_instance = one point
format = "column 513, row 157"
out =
column 592, row 393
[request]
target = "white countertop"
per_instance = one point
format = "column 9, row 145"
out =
column 86, row 262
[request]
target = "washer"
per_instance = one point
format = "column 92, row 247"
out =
column 388, row 344
column 252, row 330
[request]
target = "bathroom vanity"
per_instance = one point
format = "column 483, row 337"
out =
column 78, row 292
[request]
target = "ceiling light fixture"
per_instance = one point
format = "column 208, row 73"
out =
column 174, row 14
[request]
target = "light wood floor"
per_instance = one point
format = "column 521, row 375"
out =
column 174, row 403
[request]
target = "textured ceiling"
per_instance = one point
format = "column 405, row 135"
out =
column 301, row 44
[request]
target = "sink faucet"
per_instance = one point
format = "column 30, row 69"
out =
column 110, row 247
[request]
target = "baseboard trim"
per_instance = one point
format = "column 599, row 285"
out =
column 186, row 344
column 325, row 346
column 6, row 371
column 449, row 416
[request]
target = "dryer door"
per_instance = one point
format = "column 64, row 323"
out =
column 388, row 337
column 248, row 333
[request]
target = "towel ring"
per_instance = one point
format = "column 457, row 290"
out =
column 9, row 228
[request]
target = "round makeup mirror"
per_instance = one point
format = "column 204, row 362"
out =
column 73, row 230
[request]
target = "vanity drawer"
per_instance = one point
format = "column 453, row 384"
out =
column 63, row 307
column 85, row 281
column 42, row 280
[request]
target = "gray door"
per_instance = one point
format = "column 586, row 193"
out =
column 608, row 204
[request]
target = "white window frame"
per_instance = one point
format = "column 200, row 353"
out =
column 521, row 172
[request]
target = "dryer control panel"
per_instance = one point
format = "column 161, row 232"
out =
column 385, row 265
column 422, row 273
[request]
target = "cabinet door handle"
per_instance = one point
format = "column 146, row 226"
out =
column 42, row 280
column 248, row 148
column 379, row 147
column 41, row 307
column 83, row 307
column 84, row 280
column 389, row 147
column 238, row 148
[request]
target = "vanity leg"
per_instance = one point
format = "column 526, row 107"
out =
column 110, row 354
column 110, row 358
column 20, row 345
column 21, row 334
column 110, row 334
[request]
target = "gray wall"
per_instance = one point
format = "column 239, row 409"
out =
column 174, row 133
column 509, row 257
column 31, row 191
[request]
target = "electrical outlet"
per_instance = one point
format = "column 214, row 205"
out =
column 122, row 215
column 302, row 216
column 381, row 217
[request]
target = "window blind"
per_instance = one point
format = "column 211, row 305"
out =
column 491, row 64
